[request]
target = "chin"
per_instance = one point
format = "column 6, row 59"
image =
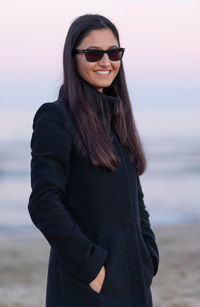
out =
column 102, row 85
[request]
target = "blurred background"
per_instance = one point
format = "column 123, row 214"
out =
column 162, row 65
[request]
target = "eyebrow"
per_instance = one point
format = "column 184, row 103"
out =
column 95, row 47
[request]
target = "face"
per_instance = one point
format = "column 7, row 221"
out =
column 102, row 73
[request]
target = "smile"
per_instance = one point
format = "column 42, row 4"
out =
column 103, row 72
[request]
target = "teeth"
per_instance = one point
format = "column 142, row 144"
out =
column 103, row 72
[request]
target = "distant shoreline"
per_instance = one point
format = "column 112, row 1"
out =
column 31, row 230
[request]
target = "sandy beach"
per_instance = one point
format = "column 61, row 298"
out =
column 24, row 261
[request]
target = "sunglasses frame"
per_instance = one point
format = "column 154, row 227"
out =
column 85, row 51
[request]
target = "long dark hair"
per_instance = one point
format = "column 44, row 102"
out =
column 88, row 106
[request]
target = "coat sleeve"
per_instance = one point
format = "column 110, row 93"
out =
column 147, row 232
column 51, row 144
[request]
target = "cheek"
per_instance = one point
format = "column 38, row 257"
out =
column 84, row 68
column 116, row 67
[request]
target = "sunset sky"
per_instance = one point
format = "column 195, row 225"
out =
column 162, row 57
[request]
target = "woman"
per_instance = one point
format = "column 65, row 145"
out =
column 86, row 195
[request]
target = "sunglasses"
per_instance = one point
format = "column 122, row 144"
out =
column 95, row 55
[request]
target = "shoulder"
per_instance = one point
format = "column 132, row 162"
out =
column 53, row 113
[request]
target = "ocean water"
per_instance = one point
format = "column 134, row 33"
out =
column 170, row 184
column 172, row 180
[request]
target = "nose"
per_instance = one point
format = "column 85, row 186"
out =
column 105, row 61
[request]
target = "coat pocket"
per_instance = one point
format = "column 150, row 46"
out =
column 103, row 287
column 147, row 262
column 149, row 256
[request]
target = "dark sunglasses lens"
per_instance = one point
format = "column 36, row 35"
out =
column 115, row 55
column 94, row 55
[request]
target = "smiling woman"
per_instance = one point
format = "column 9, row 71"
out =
column 99, row 73
column 86, row 196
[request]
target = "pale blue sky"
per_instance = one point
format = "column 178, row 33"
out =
column 162, row 58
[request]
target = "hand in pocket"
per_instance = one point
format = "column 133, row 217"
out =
column 97, row 283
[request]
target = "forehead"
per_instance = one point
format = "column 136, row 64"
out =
column 103, row 38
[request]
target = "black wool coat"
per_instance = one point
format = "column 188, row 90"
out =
column 91, row 217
